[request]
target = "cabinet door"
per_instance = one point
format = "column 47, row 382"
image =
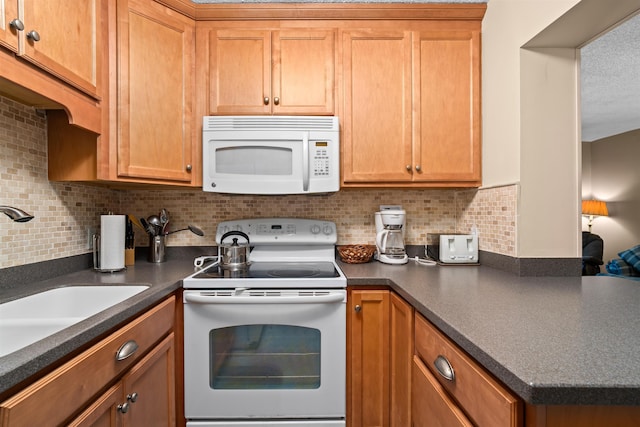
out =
column 155, row 87
column 150, row 388
column 240, row 72
column 447, row 102
column 8, row 35
column 303, row 72
column 64, row 37
column 369, row 358
column 401, row 344
column 104, row 411
column 377, row 106
column 430, row 403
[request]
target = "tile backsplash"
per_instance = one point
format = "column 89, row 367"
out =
column 65, row 211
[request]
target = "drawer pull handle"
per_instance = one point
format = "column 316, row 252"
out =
column 132, row 397
column 123, row 408
column 126, row 350
column 444, row 368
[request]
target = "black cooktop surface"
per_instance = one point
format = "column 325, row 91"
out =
column 273, row 270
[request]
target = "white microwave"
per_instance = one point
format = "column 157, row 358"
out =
column 270, row 154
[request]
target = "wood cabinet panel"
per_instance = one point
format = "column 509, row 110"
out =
column 401, row 344
column 8, row 35
column 484, row 400
column 376, row 139
column 368, row 359
column 103, row 412
column 70, row 40
column 155, row 89
column 303, row 72
column 264, row 71
column 431, row 405
column 153, row 382
column 447, row 99
column 411, row 107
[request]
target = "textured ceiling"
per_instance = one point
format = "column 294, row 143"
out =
column 610, row 82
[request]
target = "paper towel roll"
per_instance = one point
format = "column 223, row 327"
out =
column 112, row 234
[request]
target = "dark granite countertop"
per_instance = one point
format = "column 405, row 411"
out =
column 162, row 279
column 552, row 340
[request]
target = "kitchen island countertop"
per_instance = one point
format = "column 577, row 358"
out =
column 552, row 340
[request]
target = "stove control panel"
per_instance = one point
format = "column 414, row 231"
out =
column 282, row 231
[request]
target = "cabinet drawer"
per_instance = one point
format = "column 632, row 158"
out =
column 430, row 403
column 55, row 397
column 484, row 400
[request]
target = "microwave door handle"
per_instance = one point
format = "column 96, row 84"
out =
column 305, row 161
column 212, row 299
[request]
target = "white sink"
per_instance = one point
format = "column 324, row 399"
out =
column 32, row 318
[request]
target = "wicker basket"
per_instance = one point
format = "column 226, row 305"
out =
column 356, row 254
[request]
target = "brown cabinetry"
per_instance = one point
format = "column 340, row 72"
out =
column 148, row 371
column 63, row 37
column 147, row 133
column 155, row 69
column 379, row 359
column 460, row 389
column 412, row 106
column 263, row 71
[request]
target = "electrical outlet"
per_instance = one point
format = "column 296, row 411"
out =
column 90, row 232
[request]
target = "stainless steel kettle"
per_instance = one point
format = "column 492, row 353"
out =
column 234, row 256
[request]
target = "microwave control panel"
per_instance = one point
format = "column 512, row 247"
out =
column 320, row 158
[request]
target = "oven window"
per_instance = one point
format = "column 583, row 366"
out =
column 254, row 160
column 264, row 357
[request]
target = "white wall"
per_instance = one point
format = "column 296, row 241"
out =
column 530, row 112
column 615, row 178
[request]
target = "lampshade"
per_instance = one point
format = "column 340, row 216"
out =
column 594, row 207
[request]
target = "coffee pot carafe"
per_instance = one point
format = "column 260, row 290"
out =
column 390, row 226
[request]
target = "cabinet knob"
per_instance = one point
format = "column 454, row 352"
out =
column 132, row 397
column 408, row 168
column 266, row 100
column 418, row 168
column 444, row 368
column 188, row 168
column 33, row 35
column 16, row 24
column 358, row 308
column 123, row 408
column 276, row 100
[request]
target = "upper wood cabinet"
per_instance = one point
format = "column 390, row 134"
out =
column 289, row 71
column 376, row 121
column 446, row 92
column 63, row 37
column 155, row 83
column 411, row 113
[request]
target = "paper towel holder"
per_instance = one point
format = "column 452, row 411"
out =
column 96, row 257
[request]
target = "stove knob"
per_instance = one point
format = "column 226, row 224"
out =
column 315, row 229
column 327, row 229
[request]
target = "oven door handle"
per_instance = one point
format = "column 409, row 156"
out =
column 214, row 299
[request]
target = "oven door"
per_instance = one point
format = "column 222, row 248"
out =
column 265, row 354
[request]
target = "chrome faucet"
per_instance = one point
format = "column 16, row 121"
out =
column 16, row 214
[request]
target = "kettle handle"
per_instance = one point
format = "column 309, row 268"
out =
column 234, row 233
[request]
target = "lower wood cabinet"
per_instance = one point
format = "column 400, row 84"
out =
column 96, row 389
column 444, row 374
column 380, row 344
column 144, row 397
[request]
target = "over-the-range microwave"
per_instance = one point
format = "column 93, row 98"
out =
column 271, row 154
